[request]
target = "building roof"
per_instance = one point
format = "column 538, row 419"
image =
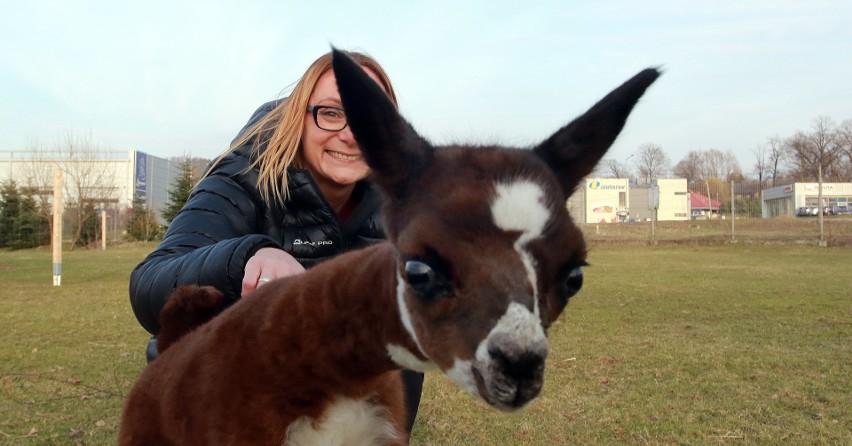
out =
column 698, row 201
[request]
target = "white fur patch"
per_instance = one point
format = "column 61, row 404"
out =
column 404, row 358
column 519, row 206
column 404, row 315
column 347, row 422
column 523, row 327
column 462, row 374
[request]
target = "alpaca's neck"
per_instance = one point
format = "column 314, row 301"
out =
column 343, row 313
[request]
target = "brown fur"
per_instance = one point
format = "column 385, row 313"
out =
column 186, row 309
column 276, row 355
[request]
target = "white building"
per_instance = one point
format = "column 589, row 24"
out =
column 785, row 200
column 600, row 200
column 669, row 194
column 112, row 178
column 610, row 200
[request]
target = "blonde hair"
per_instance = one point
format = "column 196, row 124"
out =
column 282, row 128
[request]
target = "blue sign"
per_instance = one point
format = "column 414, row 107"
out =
column 141, row 174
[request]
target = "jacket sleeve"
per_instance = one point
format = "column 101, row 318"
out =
column 208, row 243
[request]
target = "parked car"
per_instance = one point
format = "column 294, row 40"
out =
column 841, row 210
column 807, row 211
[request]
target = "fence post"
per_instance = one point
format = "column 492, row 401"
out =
column 733, row 212
column 103, row 228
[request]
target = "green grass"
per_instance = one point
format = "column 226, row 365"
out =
column 729, row 344
column 68, row 354
column 677, row 345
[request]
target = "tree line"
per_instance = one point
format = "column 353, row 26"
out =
column 823, row 153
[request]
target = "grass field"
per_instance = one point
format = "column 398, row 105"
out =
column 837, row 231
column 728, row 344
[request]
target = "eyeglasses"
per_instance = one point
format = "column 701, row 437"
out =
column 326, row 117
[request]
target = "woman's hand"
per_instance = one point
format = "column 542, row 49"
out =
column 268, row 264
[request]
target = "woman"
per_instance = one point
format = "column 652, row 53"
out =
column 289, row 193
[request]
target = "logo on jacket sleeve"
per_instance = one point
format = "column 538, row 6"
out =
column 299, row 241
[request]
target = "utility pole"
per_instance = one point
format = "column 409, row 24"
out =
column 733, row 213
column 820, row 206
column 103, row 227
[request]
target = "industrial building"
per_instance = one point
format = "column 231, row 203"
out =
column 111, row 178
column 787, row 199
column 612, row 200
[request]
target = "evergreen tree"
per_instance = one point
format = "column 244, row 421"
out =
column 143, row 225
column 9, row 205
column 21, row 223
column 179, row 192
column 90, row 227
column 33, row 226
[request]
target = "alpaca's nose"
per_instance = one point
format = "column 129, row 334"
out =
column 517, row 369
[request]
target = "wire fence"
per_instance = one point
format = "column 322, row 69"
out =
column 700, row 214
column 739, row 213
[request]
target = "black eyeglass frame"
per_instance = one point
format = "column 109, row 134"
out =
column 315, row 109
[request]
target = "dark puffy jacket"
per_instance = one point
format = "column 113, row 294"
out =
column 225, row 221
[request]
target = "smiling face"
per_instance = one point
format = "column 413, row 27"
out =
column 332, row 157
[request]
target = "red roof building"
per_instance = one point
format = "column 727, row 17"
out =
column 698, row 201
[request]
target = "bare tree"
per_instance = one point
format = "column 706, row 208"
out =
column 760, row 163
column 721, row 165
column 612, row 168
column 37, row 173
column 844, row 141
column 813, row 155
column 88, row 178
column 776, row 153
column 816, row 153
column 652, row 162
column 690, row 167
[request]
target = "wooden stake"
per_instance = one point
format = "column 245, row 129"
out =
column 57, row 226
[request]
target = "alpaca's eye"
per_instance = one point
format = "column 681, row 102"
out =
column 571, row 284
column 419, row 275
column 425, row 281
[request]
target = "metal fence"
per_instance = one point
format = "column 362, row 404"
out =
column 732, row 213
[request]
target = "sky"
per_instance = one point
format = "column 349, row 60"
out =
column 175, row 78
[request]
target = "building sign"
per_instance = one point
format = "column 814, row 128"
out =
column 597, row 185
column 141, row 175
column 815, row 187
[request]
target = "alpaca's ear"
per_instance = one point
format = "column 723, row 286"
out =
column 394, row 151
column 574, row 150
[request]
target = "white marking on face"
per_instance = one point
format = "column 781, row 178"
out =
column 519, row 206
column 520, row 326
column 462, row 374
column 404, row 315
column 404, row 358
